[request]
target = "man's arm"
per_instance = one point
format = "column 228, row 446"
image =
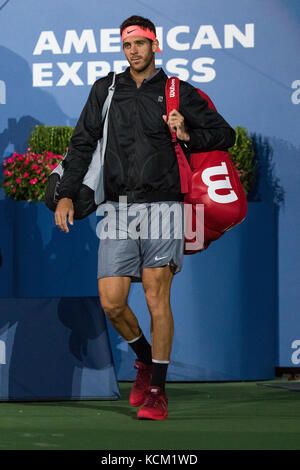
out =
column 207, row 129
column 83, row 143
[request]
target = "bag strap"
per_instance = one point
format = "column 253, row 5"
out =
column 107, row 104
column 111, row 90
column 172, row 102
column 105, row 108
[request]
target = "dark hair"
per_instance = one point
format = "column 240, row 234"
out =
column 137, row 20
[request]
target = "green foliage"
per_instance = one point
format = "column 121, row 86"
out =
column 25, row 176
column 242, row 154
column 54, row 139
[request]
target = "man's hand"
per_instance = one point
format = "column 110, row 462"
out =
column 176, row 124
column 64, row 207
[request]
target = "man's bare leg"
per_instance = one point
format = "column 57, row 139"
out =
column 113, row 292
column 157, row 286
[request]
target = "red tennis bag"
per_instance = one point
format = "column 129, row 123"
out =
column 215, row 200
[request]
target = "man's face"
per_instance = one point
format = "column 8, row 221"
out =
column 139, row 52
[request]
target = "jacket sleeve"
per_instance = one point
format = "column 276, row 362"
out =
column 208, row 130
column 83, row 143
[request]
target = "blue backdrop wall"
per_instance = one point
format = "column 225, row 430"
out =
column 243, row 53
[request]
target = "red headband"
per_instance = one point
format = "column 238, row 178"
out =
column 138, row 31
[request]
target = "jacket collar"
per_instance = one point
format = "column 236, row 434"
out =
column 125, row 76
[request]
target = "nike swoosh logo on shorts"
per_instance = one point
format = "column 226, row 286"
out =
column 157, row 259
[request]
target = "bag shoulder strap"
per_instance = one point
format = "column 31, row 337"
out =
column 172, row 102
column 111, row 90
column 172, row 98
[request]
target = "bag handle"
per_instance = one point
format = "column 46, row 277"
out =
column 172, row 102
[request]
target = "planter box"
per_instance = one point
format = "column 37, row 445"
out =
column 7, row 245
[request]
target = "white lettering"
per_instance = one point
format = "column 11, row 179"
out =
column 69, row 73
column 172, row 38
column 139, row 219
column 159, row 36
column 183, row 459
column 97, row 70
column 47, row 42
column 148, row 459
column 87, row 38
column 106, row 40
column 296, row 354
column 232, row 32
column 206, row 36
column 218, row 184
column 296, row 95
column 209, row 73
column 158, row 62
column 172, row 88
column 39, row 73
column 194, row 218
column 172, row 67
column 120, row 65
column 108, row 222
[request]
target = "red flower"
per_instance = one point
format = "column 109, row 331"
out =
column 25, row 174
column 19, row 180
column 33, row 181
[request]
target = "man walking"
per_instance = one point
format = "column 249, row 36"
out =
column 141, row 166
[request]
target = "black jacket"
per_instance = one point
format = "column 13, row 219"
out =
column 140, row 161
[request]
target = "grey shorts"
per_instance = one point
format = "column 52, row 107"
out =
column 136, row 236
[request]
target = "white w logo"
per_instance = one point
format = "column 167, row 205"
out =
column 218, row 184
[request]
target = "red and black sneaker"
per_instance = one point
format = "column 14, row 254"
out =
column 141, row 383
column 155, row 405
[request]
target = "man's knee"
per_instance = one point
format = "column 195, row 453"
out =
column 114, row 311
column 113, row 293
column 157, row 296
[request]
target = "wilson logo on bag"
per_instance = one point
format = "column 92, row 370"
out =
column 210, row 180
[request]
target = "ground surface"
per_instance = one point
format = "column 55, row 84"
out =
column 240, row 415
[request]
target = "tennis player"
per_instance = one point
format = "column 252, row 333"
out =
column 141, row 166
